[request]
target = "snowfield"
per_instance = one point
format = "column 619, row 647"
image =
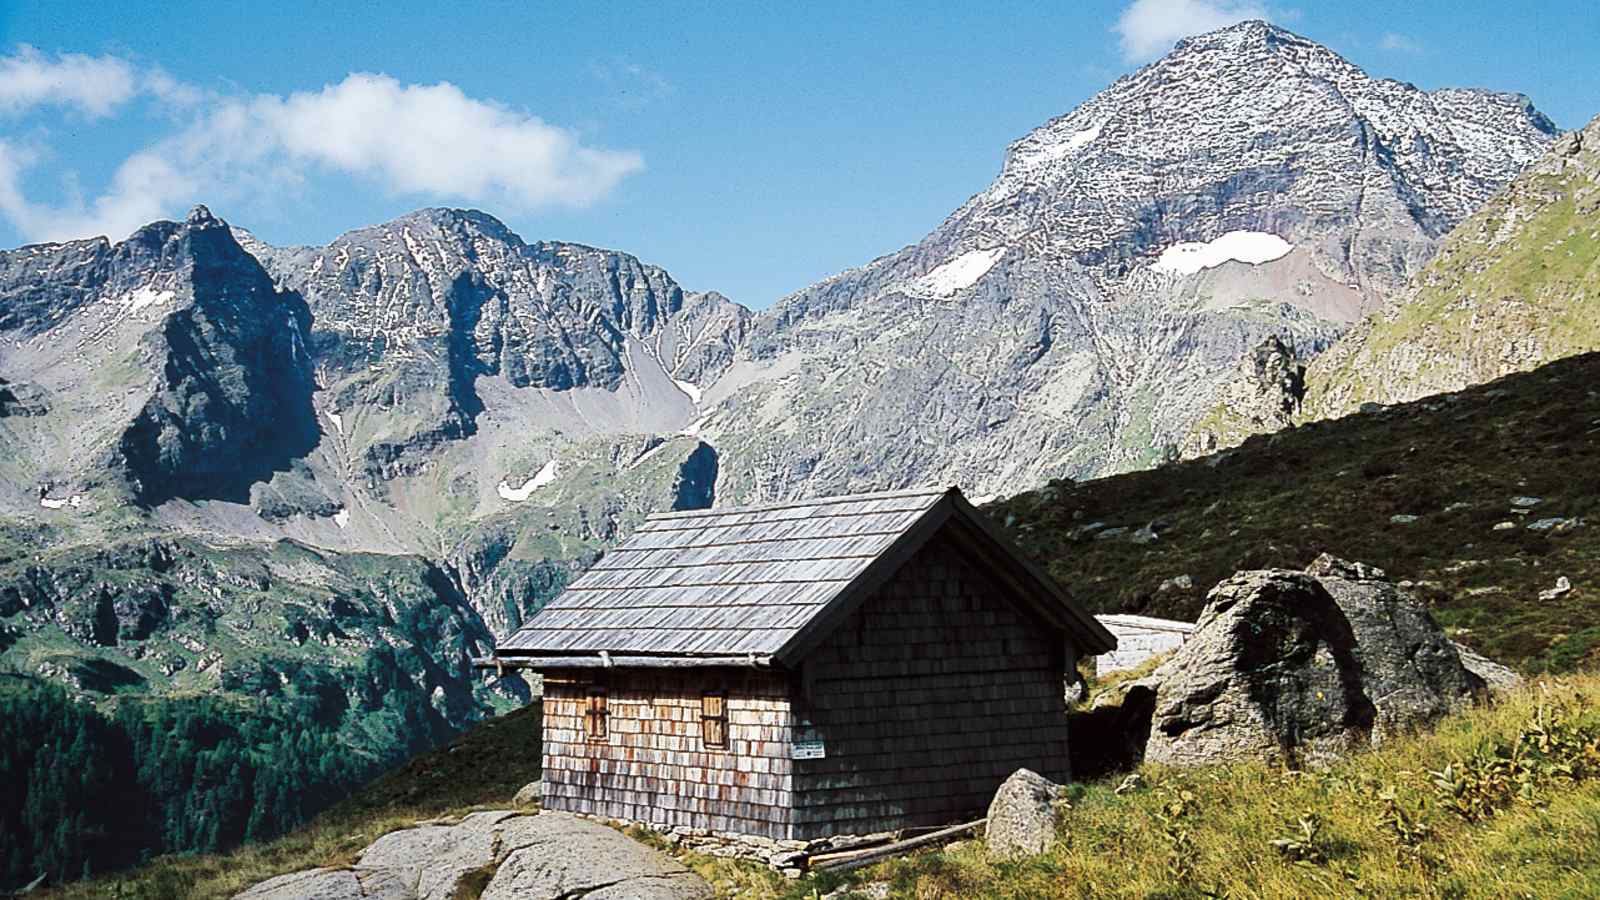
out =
column 959, row 273
column 1253, row 247
column 516, row 495
column 690, row 388
column 145, row 297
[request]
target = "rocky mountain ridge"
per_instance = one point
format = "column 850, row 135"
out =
column 169, row 357
column 1078, row 316
column 1514, row 287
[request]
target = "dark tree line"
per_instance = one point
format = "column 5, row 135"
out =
column 82, row 791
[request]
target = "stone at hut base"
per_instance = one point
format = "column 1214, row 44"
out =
column 529, row 796
column 1022, row 816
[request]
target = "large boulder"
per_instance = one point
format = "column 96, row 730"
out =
column 1300, row 667
column 1022, row 816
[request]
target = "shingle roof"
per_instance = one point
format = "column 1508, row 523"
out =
column 740, row 581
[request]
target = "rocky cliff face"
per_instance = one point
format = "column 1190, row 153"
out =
column 167, row 365
column 1515, row 286
column 1078, row 315
column 417, row 319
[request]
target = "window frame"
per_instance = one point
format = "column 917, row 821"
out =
column 596, row 715
column 714, row 723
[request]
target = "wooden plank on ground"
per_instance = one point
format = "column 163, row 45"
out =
column 855, row 859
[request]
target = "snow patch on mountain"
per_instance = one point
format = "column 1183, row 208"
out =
column 690, row 388
column 1081, row 139
column 144, row 297
column 959, row 273
column 1252, row 247
column 516, row 495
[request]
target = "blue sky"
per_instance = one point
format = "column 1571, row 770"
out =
column 747, row 148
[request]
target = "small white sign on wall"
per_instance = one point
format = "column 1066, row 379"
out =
column 807, row 742
column 808, row 749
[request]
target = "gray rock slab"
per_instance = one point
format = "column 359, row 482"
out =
column 542, row 855
column 581, row 857
column 408, row 846
column 672, row 887
column 332, row 884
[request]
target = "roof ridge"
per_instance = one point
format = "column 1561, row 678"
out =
column 890, row 494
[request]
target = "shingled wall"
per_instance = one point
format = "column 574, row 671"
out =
column 654, row 766
column 927, row 698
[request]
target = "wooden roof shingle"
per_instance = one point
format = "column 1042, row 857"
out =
column 759, row 581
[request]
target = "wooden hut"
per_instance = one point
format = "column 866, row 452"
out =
column 797, row 670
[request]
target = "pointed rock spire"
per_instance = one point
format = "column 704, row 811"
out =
column 200, row 217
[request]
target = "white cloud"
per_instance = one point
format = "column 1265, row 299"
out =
column 1149, row 28
column 1398, row 43
column 430, row 141
column 436, row 140
column 95, row 85
column 146, row 186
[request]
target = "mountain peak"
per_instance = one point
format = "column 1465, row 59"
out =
column 1242, row 35
column 1250, row 98
column 201, row 217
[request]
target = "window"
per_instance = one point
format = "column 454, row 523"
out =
column 594, row 716
column 714, row 719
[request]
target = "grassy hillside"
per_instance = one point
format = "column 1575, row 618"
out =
column 1156, row 541
column 1512, row 287
column 1502, row 801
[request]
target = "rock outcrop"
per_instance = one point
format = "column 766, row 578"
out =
column 1022, row 816
column 1496, row 677
column 1300, row 667
column 548, row 856
column 529, row 795
column 1265, row 395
